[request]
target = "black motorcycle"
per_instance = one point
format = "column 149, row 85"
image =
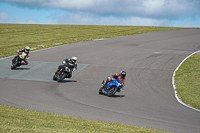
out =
column 64, row 72
column 18, row 60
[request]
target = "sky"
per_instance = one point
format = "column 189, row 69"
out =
column 167, row 13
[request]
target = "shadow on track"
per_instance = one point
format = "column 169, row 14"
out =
column 115, row 96
column 64, row 81
column 21, row 69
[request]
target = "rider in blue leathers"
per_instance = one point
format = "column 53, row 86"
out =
column 121, row 77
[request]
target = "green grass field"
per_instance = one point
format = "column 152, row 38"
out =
column 17, row 36
column 187, row 81
column 15, row 120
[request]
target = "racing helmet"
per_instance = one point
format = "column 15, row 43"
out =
column 123, row 74
column 27, row 48
column 74, row 59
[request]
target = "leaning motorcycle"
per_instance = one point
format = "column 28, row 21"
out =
column 18, row 60
column 111, row 88
column 64, row 72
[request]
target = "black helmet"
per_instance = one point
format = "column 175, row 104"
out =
column 123, row 74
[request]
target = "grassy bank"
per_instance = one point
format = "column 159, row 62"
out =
column 17, row 36
column 19, row 120
column 187, row 81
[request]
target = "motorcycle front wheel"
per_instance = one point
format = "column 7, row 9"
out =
column 100, row 91
column 61, row 77
column 112, row 91
column 14, row 65
column 54, row 77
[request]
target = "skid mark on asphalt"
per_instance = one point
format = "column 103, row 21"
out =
column 35, row 70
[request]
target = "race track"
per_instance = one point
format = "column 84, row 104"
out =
column 147, row 100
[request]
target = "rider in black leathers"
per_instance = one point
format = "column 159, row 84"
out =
column 70, row 63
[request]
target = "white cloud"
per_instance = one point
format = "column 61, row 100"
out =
column 144, row 8
column 4, row 17
column 118, row 12
column 29, row 21
column 188, row 24
column 185, row 24
column 90, row 19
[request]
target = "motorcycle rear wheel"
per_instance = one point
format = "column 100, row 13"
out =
column 61, row 77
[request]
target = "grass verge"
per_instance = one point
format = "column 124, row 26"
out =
column 19, row 120
column 17, row 36
column 187, row 81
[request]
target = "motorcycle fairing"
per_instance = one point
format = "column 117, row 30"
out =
column 115, row 83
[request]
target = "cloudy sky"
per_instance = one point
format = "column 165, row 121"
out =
column 170, row 13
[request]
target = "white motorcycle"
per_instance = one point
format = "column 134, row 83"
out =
column 18, row 60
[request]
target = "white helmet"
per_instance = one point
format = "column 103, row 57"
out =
column 74, row 59
column 27, row 48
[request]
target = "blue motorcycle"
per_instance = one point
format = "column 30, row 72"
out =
column 111, row 88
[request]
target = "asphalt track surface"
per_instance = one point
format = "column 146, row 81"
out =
column 147, row 100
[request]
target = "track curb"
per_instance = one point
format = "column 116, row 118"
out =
column 179, row 100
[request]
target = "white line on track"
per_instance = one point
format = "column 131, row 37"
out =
column 179, row 100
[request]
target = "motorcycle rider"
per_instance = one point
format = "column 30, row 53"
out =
column 25, row 53
column 70, row 63
column 121, row 77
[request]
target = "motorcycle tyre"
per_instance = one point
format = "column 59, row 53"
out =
column 112, row 91
column 62, row 77
column 14, row 65
column 54, row 78
column 100, row 91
